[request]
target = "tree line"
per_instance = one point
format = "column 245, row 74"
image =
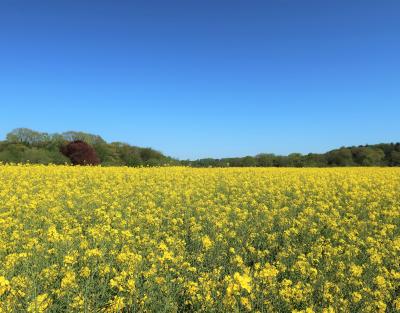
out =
column 25, row 145
column 367, row 155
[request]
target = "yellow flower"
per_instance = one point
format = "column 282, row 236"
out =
column 244, row 281
column 144, row 236
column 380, row 281
column 207, row 243
column 4, row 285
column 356, row 297
column 328, row 310
column 381, row 306
column 246, row 303
column 268, row 273
column 95, row 253
column 356, row 270
column 85, row 272
column 396, row 304
column 115, row 305
column 40, row 304
column 68, row 280
column 78, row 303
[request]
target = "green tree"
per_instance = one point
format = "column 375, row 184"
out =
column 367, row 156
column 295, row 159
column 265, row 160
column 27, row 136
column 248, row 161
column 340, row 157
column 86, row 137
column 35, row 155
column 129, row 155
column 395, row 158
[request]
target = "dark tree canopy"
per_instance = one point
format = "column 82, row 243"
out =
column 80, row 153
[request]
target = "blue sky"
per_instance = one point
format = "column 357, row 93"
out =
column 204, row 78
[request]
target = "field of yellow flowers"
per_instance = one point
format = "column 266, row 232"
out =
column 93, row 239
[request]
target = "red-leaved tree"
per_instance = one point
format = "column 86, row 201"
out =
column 80, row 153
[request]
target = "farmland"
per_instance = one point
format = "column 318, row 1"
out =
column 175, row 239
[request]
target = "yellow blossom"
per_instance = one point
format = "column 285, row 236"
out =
column 40, row 304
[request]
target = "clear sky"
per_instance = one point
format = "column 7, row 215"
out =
column 204, row 78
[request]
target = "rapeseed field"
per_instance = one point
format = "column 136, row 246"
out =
column 93, row 239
